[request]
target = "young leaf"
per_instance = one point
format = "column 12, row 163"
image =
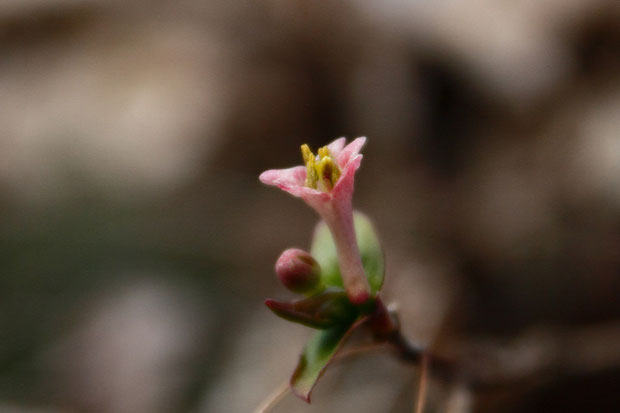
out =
column 324, row 251
column 323, row 310
column 317, row 355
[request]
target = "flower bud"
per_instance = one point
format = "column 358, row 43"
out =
column 298, row 271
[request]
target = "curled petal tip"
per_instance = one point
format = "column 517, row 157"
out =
column 350, row 151
column 336, row 146
column 266, row 177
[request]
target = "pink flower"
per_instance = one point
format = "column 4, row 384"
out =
column 326, row 184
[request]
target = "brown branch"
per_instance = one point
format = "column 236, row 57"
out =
column 345, row 354
column 537, row 353
column 540, row 353
column 419, row 406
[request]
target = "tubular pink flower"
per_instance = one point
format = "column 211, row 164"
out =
column 332, row 200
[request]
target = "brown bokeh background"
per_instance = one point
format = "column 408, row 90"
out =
column 137, row 244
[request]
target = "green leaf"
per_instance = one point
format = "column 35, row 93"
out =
column 323, row 310
column 316, row 356
column 324, row 251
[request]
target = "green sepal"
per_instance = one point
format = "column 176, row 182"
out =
column 317, row 355
column 323, row 310
column 324, row 251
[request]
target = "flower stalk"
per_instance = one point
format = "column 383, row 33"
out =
column 340, row 222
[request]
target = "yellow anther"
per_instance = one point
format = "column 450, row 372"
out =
column 311, row 176
column 326, row 171
column 306, row 153
column 321, row 172
column 323, row 152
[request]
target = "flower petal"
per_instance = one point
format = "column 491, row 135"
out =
column 336, row 147
column 318, row 200
column 344, row 186
column 290, row 180
column 350, row 151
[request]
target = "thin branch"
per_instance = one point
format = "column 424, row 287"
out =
column 273, row 399
column 345, row 354
column 414, row 354
column 421, row 401
column 542, row 352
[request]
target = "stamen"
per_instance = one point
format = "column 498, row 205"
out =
column 322, row 171
column 324, row 152
column 311, row 175
column 326, row 170
column 306, row 153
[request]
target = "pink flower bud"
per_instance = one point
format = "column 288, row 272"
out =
column 298, row 271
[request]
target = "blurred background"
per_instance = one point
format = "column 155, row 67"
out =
column 137, row 245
